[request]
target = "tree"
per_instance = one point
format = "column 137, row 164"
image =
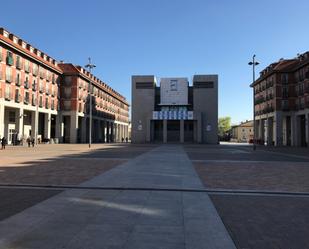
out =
column 224, row 125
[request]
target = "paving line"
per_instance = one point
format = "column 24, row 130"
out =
column 205, row 190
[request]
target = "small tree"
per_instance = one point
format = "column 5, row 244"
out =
column 224, row 125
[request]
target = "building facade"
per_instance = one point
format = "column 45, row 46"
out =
column 38, row 94
column 110, row 110
column 282, row 102
column 242, row 133
column 174, row 111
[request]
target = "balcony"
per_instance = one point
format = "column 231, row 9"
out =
column 41, row 90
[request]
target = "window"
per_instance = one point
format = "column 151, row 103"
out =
column 1, row 53
column 34, row 85
column 18, row 62
column 35, row 69
column 53, row 104
column 12, row 117
column 284, row 78
column 9, row 58
column 0, row 72
column 33, row 99
column 26, row 98
column 17, row 79
column 42, row 73
column 8, row 74
column 46, row 103
column 26, row 84
column 41, row 101
column 17, row 96
column 27, row 67
column 8, row 92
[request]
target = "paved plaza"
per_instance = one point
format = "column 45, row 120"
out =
column 153, row 196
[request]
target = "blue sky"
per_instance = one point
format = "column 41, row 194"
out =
column 166, row 38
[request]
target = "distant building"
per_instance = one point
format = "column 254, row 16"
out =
column 174, row 111
column 282, row 102
column 242, row 133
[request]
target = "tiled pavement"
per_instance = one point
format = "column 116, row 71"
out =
column 158, row 218
column 91, row 219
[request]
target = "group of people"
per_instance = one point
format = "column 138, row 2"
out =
column 127, row 140
column 30, row 141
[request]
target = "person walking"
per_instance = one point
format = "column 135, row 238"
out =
column 29, row 141
column 32, row 142
column 3, row 143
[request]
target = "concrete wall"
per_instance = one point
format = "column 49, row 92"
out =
column 205, row 101
column 143, row 100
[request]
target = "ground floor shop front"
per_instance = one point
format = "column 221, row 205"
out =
column 75, row 129
column 283, row 129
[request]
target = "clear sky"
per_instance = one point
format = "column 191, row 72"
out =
column 166, row 38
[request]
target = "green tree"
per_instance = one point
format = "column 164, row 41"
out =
column 224, row 125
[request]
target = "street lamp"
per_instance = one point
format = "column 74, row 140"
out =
column 90, row 66
column 253, row 63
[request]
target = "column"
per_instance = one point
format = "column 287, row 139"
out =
column 269, row 131
column 182, row 131
column 294, row 133
column 104, row 131
column 278, row 129
column 58, row 127
column 73, row 128
column 47, row 122
column 307, row 129
column 84, row 130
column 20, row 124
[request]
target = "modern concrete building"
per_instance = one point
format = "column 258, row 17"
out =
column 242, row 133
column 41, row 97
column 282, row 102
column 174, row 111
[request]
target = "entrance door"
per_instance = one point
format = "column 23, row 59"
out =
column 173, row 131
column 11, row 133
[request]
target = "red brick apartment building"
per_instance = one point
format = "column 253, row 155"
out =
column 282, row 102
column 39, row 96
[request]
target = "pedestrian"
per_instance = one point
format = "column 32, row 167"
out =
column 3, row 143
column 122, row 139
column 127, row 140
column 32, row 141
column 29, row 141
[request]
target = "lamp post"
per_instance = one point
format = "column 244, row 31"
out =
column 90, row 66
column 253, row 63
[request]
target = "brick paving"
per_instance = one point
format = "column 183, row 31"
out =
column 265, row 222
column 63, row 164
column 274, row 176
column 258, row 221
